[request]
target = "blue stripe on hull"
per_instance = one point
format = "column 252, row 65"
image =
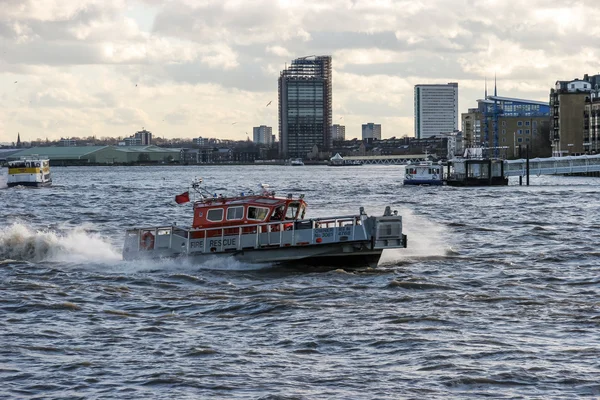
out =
column 437, row 182
column 29, row 184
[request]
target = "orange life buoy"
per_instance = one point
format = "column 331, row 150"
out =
column 147, row 241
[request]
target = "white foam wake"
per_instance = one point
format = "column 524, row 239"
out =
column 425, row 239
column 3, row 180
column 19, row 242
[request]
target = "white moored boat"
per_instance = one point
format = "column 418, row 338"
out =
column 295, row 162
column 424, row 173
column 262, row 228
column 29, row 171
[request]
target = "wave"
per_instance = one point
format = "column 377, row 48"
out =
column 22, row 243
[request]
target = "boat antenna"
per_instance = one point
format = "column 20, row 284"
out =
column 199, row 190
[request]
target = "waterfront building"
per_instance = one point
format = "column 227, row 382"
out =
column 305, row 103
column 572, row 112
column 199, row 141
column 131, row 141
column 66, row 142
column 82, row 155
column 591, row 125
column 436, row 109
column 471, row 127
column 500, row 124
column 338, row 132
column 262, row 135
column 371, row 131
column 144, row 136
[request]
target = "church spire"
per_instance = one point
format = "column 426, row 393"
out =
column 18, row 140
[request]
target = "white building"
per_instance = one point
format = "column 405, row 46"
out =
column 371, row 131
column 67, row 142
column 436, row 109
column 262, row 134
column 455, row 144
column 338, row 132
column 132, row 141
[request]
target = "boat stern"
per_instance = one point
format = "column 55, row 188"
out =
column 387, row 231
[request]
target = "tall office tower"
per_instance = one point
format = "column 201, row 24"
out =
column 305, row 106
column 371, row 131
column 436, row 109
column 338, row 132
column 262, row 134
column 144, row 136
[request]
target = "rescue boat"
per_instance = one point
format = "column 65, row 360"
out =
column 266, row 229
column 29, row 171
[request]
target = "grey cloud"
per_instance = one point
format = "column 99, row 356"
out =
column 425, row 66
column 177, row 118
column 248, row 76
column 356, row 106
column 213, row 22
column 328, row 41
column 54, row 53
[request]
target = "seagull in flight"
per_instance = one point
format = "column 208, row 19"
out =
column 15, row 81
column 234, row 123
column 268, row 104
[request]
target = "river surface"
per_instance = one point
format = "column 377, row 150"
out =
column 496, row 296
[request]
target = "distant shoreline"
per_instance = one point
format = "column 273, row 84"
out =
column 53, row 165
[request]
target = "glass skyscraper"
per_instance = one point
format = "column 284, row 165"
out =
column 305, row 106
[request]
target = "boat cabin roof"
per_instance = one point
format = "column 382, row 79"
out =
column 252, row 209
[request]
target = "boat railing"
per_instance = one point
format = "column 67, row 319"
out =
column 159, row 233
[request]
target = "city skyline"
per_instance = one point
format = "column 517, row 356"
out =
column 108, row 68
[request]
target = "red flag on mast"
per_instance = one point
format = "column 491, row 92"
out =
column 182, row 198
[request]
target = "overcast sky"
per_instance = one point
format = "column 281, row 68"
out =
column 188, row 68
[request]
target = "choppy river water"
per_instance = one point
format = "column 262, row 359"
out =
column 496, row 296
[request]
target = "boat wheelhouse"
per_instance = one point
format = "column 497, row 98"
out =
column 29, row 171
column 425, row 173
column 263, row 228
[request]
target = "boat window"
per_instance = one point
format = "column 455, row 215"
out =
column 292, row 211
column 257, row 213
column 215, row 215
column 235, row 213
column 277, row 213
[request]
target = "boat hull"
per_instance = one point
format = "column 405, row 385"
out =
column 432, row 182
column 347, row 256
column 494, row 181
column 29, row 184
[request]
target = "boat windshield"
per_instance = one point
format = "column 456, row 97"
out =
column 292, row 210
column 277, row 214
